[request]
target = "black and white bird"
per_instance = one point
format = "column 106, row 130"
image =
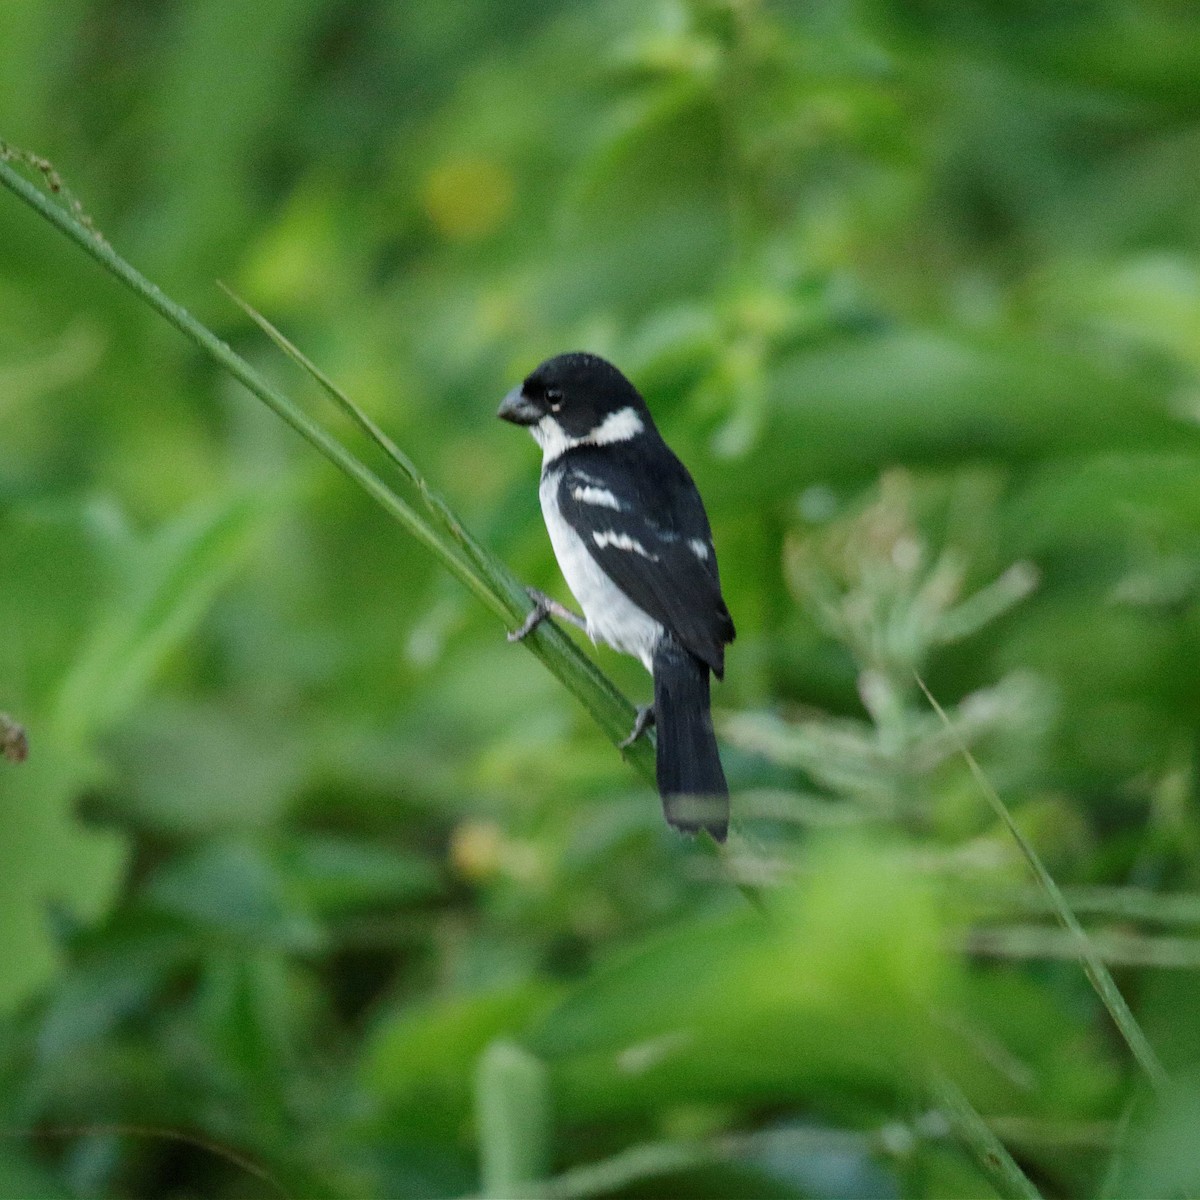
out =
column 633, row 542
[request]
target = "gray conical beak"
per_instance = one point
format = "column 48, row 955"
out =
column 518, row 408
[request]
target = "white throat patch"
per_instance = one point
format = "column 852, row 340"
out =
column 619, row 426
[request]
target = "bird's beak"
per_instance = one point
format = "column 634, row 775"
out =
column 519, row 409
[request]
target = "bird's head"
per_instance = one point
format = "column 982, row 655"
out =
column 576, row 399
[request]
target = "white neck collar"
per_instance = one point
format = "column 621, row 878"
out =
column 618, row 426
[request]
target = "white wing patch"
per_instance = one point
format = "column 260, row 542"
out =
column 599, row 496
column 699, row 549
column 612, row 617
column 622, row 541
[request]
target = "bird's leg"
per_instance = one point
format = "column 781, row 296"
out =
column 645, row 718
column 543, row 607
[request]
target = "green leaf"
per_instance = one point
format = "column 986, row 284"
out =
column 166, row 585
column 835, row 982
column 512, row 1103
column 195, row 769
column 232, row 890
column 89, row 614
column 420, row 1062
column 48, row 860
column 1161, row 1158
column 331, row 874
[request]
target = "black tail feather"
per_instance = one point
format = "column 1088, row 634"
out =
column 691, row 782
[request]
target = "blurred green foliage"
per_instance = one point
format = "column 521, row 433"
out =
column 307, row 865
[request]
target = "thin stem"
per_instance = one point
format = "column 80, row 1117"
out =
column 1113, row 946
column 973, row 1131
column 483, row 574
column 1089, row 956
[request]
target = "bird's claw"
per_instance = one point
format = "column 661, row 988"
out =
column 543, row 607
column 645, row 718
column 537, row 614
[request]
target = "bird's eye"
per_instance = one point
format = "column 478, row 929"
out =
column 554, row 399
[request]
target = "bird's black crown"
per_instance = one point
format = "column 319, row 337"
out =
column 578, row 390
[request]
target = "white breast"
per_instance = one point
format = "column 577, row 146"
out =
column 612, row 617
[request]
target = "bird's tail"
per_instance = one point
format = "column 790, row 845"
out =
column 691, row 782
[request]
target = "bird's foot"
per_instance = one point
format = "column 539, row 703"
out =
column 645, row 718
column 543, row 607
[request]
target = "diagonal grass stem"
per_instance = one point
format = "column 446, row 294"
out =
column 482, row 573
column 1093, row 964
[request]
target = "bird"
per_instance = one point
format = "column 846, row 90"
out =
column 633, row 542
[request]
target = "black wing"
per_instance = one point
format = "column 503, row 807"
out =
column 640, row 516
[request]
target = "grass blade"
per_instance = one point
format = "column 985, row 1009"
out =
column 627, row 1169
column 1089, row 956
column 972, row 1131
column 484, row 575
column 490, row 566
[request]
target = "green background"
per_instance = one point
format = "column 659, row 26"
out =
column 313, row 885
